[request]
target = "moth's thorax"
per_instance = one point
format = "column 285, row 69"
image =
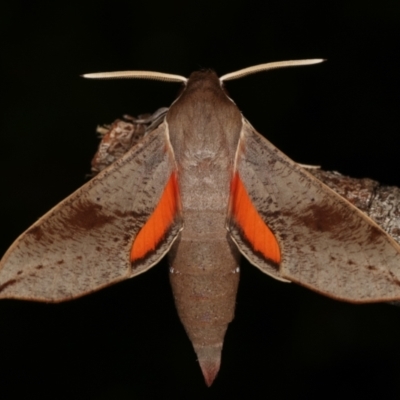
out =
column 204, row 128
column 204, row 124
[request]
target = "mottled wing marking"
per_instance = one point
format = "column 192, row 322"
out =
column 327, row 244
column 249, row 222
column 83, row 243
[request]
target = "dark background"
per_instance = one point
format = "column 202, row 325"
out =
column 126, row 342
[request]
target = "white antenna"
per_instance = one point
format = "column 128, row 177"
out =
column 268, row 66
column 159, row 76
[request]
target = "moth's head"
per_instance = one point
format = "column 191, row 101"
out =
column 198, row 76
column 203, row 79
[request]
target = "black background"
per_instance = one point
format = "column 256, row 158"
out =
column 126, row 342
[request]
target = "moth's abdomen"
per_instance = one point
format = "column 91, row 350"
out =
column 204, row 274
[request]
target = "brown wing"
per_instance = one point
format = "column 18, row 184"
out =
column 325, row 242
column 85, row 242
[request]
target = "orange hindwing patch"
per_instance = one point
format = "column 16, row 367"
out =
column 159, row 222
column 256, row 232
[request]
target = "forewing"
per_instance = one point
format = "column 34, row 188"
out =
column 325, row 242
column 84, row 243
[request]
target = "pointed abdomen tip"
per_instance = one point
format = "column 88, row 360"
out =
column 210, row 371
column 210, row 362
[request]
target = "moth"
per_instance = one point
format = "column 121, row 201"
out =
column 205, row 188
